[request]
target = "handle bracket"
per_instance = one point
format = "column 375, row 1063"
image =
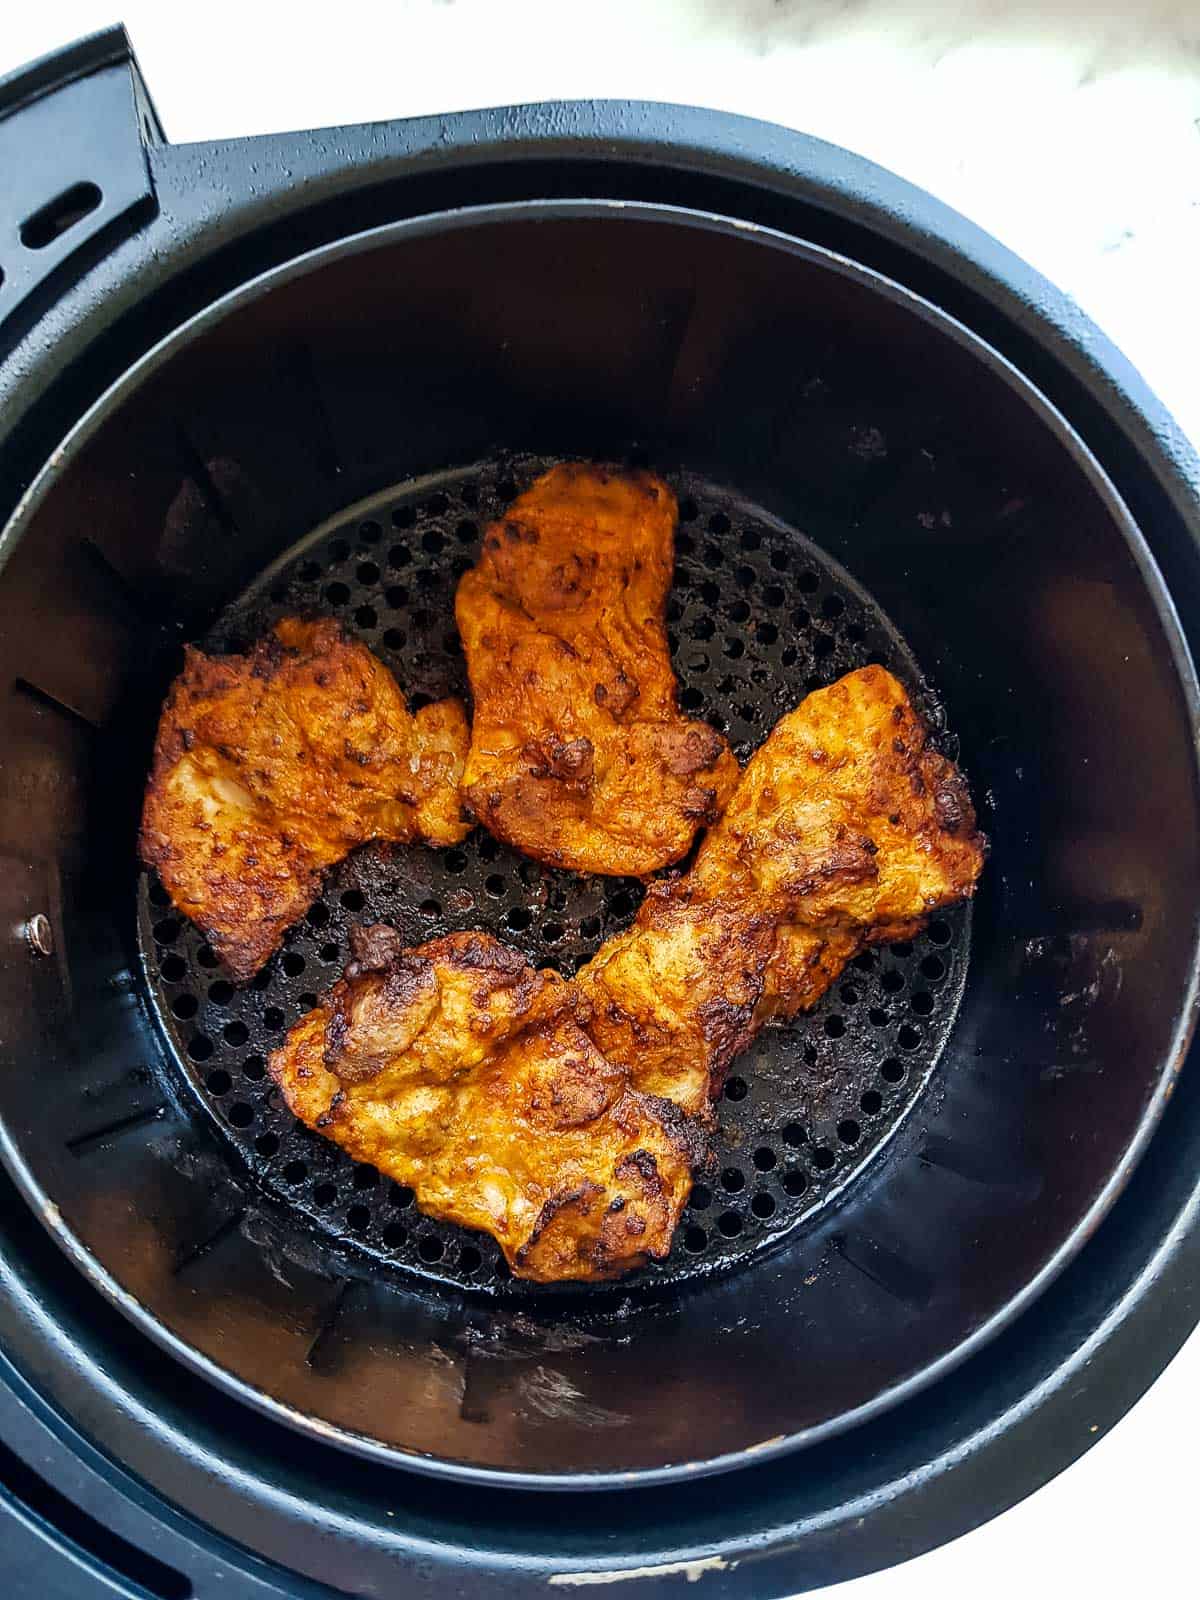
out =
column 74, row 129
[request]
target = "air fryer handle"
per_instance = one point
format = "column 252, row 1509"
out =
column 74, row 127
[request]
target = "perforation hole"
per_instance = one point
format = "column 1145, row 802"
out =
column 59, row 215
column 623, row 902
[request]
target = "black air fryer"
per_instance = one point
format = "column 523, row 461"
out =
column 951, row 1235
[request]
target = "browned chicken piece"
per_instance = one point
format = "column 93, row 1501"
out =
column 847, row 828
column 562, row 1117
column 270, row 767
column 457, row 1069
column 579, row 754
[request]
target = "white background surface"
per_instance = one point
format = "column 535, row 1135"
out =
column 1069, row 128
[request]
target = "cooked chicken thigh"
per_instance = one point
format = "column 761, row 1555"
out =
column 579, row 754
column 270, row 767
column 457, row 1069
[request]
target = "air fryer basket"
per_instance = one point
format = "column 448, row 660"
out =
column 803, row 403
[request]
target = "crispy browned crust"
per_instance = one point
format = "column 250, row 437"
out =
column 270, row 767
column 579, row 754
column 847, row 828
column 567, row 1118
column 457, row 1069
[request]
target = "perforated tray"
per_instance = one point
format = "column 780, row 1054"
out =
column 758, row 617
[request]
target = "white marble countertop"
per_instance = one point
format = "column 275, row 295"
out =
column 1068, row 128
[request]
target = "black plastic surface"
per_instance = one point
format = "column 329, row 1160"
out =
column 848, row 411
column 72, row 129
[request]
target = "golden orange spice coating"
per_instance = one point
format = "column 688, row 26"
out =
column 579, row 754
column 563, row 1117
column 847, row 828
column 457, row 1069
column 270, row 767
